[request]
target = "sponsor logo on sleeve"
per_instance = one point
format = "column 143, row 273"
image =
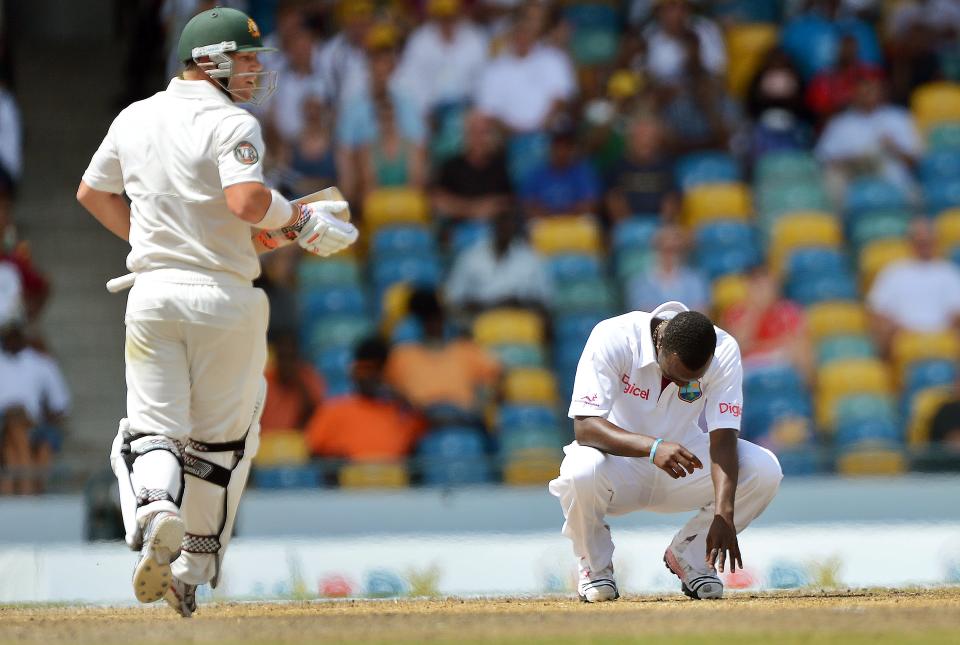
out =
column 731, row 408
column 590, row 399
column 246, row 153
column 634, row 389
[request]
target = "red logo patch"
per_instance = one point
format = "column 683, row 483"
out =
column 730, row 408
column 631, row 388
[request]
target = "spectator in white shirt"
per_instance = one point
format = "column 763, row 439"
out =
column 871, row 138
column 666, row 52
column 299, row 80
column 670, row 278
column 343, row 59
column 921, row 294
column 530, row 82
column 443, row 58
column 501, row 271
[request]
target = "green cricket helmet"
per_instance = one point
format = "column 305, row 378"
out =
column 214, row 35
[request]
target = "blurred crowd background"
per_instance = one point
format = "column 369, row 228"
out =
column 522, row 170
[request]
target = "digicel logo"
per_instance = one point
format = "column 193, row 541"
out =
column 731, row 408
column 630, row 388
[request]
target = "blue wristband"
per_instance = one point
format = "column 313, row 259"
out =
column 653, row 451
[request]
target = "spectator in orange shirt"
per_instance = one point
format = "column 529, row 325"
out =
column 294, row 388
column 437, row 371
column 371, row 425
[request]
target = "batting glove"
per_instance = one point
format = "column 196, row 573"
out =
column 319, row 231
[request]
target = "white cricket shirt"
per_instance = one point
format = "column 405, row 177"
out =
column 618, row 378
column 173, row 154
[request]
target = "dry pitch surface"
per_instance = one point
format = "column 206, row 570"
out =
column 873, row 617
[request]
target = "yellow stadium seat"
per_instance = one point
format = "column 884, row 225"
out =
column 387, row 206
column 282, row 448
column 502, row 326
column 934, row 103
column 530, row 385
column 747, row 44
column 802, row 229
column 825, row 319
column 923, row 407
column 878, row 254
column 841, row 378
column 909, row 347
column 947, row 228
column 708, row 202
column 395, row 304
column 566, row 234
column 532, row 469
column 730, row 290
column 872, row 461
column 374, row 475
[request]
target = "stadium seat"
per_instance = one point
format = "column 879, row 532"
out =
column 708, row 202
column 419, row 270
column 724, row 234
column 774, row 413
column 394, row 306
column 838, row 348
column 728, row 290
column 513, row 355
column 811, row 41
column 314, row 272
column 334, row 363
column 872, row 194
column 781, row 168
column 525, row 152
column 823, row 288
column 939, row 165
column 572, row 330
column 633, row 262
column 935, row 103
column 921, row 410
column 747, row 44
column 842, row 378
column 525, row 415
column 594, row 46
column 467, row 233
column 862, row 407
column 634, row 233
column 807, row 261
column 941, row 195
column 583, row 295
column 406, row 330
column 532, row 469
column 332, row 301
column 944, row 136
column 281, row 448
column 398, row 240
column 947, row 230
column 770, row 381
column 802, row 229
column 923, row 374
column 373, row 475
column 871, row 462
column 566, row 234
column 453, row 455
column 529, row 440
column 879, row 254
column 912, row 347
column 566, row 267
column 878, row 225
column 774, row 201
column 530, row 385
column 336, row 331
column 827, row 319
column 394, row 206
column 725, row 261
column 876, row 432
column 286, row 477
column 499, row 326
column 705, row 168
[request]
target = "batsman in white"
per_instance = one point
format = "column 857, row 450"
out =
column 190, row 160
column 645, row 384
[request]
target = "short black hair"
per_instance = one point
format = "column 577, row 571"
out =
column 424, row 304
column 372, row 348
column 691, row 336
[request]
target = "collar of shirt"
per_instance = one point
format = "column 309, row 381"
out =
column 196, row 90
column 667, row 310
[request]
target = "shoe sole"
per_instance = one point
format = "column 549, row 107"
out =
column 151, row 577
column 616, row 595
column 670, row 562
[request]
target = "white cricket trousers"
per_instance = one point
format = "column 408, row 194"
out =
column 593, row 484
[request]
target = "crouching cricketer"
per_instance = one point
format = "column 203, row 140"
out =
column 190, row 160
column 643, row 384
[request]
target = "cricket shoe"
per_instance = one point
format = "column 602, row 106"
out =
column 161, row 546
column 697, row 584
column 182, row 597
column 596, row 586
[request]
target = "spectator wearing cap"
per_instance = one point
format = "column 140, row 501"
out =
column 670, row 278
column 667, row 52
column 921, row 294
column 832, row 90
column 566, row 183
column 530, row 81
column 503, row 271
column 373, row 423
column 642, row 182
column 871, row 138
column 474, row 184
column 443, row 58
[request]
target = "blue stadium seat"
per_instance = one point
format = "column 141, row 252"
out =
column 526, row 152
column 879, row 431
column 862, row 407
column 799, row 461
column 812, row 43
column 333, row 331
column 822, row 288
column 334, row 363
column 725, row 234
column 514, row 415
column 747, row 11
column 836, row 348
column 720, row 262
column 453, row 455
column 872, row 195
column 571, row 266
column 591, row 15
column 635, row 233
column 574, row 329
column 347, row 300
column 941, row 195
column 770, row 381
column 420, row 270
column 786, row 166
column 466, row 234
column 328, row 272
column 399, row 240
column 515, row 440
column 815, row 261
column 286, row 477
column 924, row 374
column 338, row 387
column 704, row 168
column 762, row 412
column 938, row 165
column 408, row 330
column 578, row 294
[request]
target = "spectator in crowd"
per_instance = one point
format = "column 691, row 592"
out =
column 474, row 184
column 17, row 465
column 642, row 183
column 296, row 389
column 343, row 60
column 34, row 395
column 945, row 428
column 832, row 90
column 501, row 271
column 775, row 105
column 566, row 184
column 299, row 80
column 872, row 138
column 668, row 55
column 920, row 32
column 372, row 424
column 278, row 280
column 312, row 159
column 670, row 278
column 921, row 294
column 530, row 82
column 11, row 164
column 769, row 328
column 443, row 58
column 439, row 371
column 391, row 159
column 35, row 288
column 699, row 113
